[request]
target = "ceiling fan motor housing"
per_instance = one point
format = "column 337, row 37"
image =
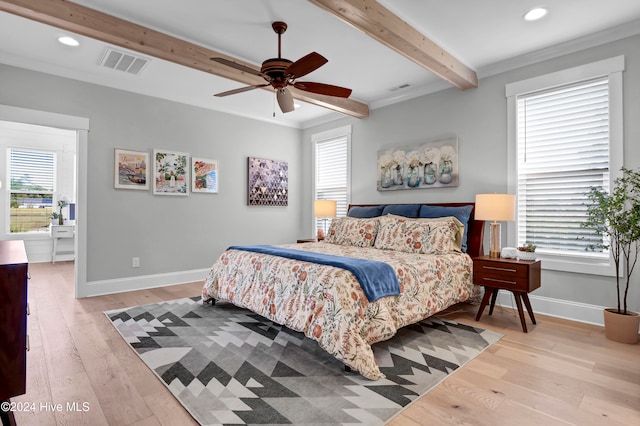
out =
column 275, row 68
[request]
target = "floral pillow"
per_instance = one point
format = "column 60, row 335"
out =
column 418, row 235
column 351, row 231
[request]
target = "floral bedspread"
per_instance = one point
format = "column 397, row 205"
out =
column 327, row 304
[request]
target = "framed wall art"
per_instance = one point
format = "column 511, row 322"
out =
column 130, row 170
column 204, row 175
column 268, row 182
column 170, row 173
column 428, row 165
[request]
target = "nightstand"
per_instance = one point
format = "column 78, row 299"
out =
column 307, row 240
column 65, row 233
column 517, row 276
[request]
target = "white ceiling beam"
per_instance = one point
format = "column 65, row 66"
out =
column 380, row 23
column 109, row 29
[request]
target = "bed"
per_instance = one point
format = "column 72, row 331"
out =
column 427, row 247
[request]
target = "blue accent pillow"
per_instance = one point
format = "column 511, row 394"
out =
column 461, row 213
column 406, row 210
column 365, row 212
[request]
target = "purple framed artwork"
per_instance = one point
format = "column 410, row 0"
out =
column 268, row 182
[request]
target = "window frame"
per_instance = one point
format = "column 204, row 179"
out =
column 328, row 135
column 611, row 68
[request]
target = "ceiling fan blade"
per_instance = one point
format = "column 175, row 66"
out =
column 239, row 67
column 240, row 90
column 305, row 65
column 285, row 100
column 323, row 89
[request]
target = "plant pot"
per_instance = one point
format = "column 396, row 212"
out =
column 526, row 255
column 621, row 328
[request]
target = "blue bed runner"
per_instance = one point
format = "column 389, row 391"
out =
column 377, row 279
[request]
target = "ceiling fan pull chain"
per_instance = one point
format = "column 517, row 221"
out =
column 274, row 104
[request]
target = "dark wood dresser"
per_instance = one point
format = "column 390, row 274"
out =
column 13, row 319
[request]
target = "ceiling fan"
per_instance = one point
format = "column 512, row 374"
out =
column 280, row 73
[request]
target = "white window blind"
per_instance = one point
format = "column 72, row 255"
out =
column 32, row 180
column 31, row 171
column 332, row 173
column 563, row 150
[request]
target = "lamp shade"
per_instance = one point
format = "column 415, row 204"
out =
column 324, row 208
column 495, row 207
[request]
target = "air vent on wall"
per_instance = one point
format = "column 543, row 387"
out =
column 121, row 61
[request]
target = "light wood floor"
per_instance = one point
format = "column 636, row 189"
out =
column 559, row 373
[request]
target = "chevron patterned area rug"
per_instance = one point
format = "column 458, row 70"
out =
column 228, row 366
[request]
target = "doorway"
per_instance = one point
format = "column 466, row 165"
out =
column 70, row 158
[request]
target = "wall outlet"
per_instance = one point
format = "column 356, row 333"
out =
column 135, row 262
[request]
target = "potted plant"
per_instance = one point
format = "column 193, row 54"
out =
column 527, row 252
column 63, row 202
column 616, row 217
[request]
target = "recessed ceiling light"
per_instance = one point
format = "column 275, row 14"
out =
column 296, row 105
column 69, row 41
column 535, row 14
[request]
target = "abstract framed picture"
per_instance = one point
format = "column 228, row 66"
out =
column 268, row 182
column 204, row 175
column 428, row 165
column 170, row 173
column 131, row 169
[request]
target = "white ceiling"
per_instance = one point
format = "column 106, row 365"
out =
column 487, row 36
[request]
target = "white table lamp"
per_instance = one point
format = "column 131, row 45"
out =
column 324, row 209
column 495, row 207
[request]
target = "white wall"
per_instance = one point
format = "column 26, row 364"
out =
column 176, row 238
column 478, row 117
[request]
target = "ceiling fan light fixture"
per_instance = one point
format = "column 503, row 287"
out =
column 68, row 41
column 535, row 14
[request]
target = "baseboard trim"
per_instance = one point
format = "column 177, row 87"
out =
column 566, row 309
column 143, row 282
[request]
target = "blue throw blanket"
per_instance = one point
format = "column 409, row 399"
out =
column 377, row 279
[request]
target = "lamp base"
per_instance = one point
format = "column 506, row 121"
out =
column 494, row 241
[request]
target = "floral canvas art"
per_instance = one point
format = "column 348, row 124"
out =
column 204, row 174
column 170, row 173
column 429, row 165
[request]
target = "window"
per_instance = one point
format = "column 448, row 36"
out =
column 32, row 187
column 565, row 138
column 332, row 168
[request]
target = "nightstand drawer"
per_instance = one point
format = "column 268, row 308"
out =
column 501, row 281
column 62, row 231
